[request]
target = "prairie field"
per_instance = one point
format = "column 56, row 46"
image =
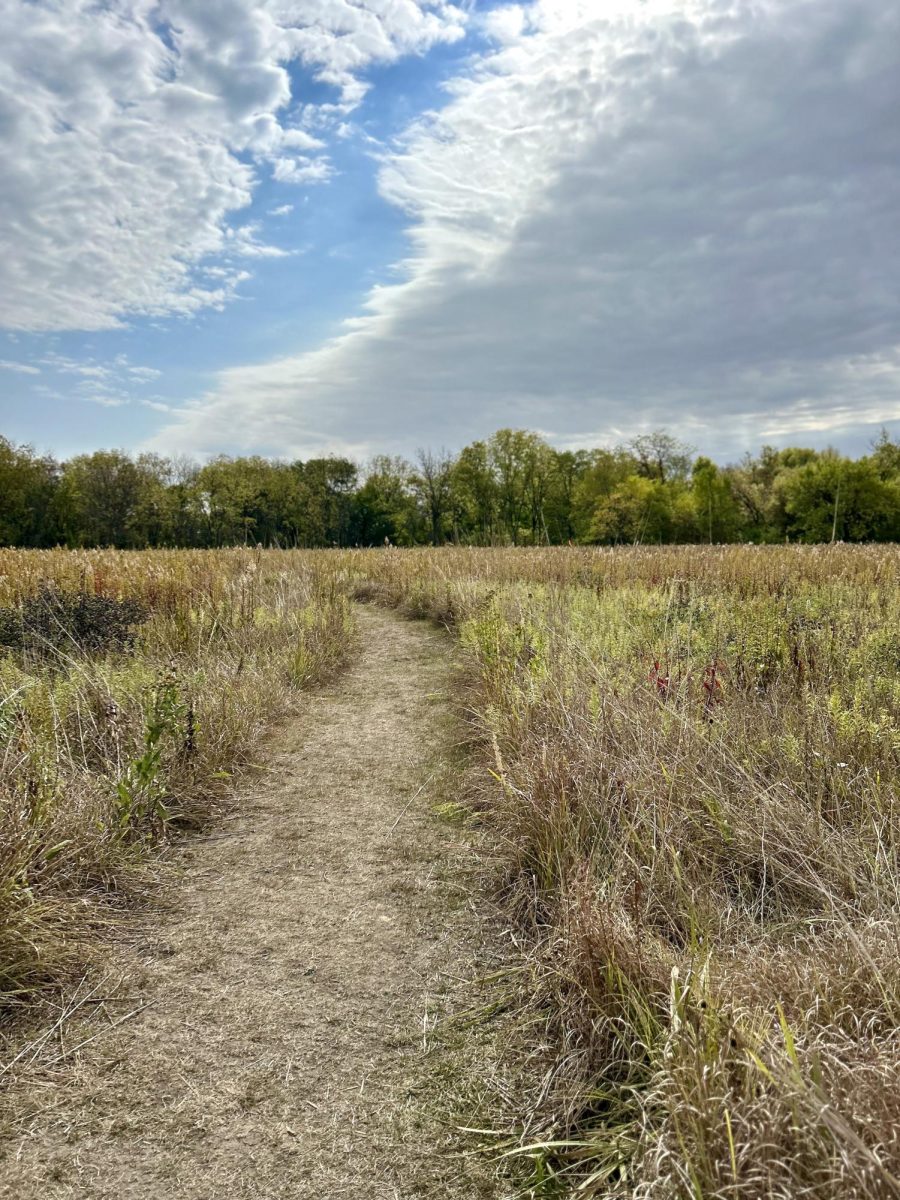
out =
column 132, row 687
column 683, row 764
column 689, row 764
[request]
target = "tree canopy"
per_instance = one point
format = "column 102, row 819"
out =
column 511, row 488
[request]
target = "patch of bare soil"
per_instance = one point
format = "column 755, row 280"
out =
column 294, row 988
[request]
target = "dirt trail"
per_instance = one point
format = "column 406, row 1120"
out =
column 294, row 984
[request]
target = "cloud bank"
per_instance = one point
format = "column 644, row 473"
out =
column 133, row 129
column 625, row 216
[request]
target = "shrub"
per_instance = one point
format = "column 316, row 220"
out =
column 54, row 621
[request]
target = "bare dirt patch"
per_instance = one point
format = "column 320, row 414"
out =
column 293, row 988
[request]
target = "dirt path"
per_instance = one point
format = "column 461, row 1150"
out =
column 295, row 985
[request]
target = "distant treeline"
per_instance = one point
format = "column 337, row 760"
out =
column 511, row 488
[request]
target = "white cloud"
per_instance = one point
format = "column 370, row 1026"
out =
column 18, row 368
column 341, row 37
column 106, row 397
column 243, row 243
column 301, row 170
column 626, row 216
column 110, row 383
column 132, row 130
column 505, row 24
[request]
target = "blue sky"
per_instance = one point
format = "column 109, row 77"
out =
column 304, row 226
column 339, row 239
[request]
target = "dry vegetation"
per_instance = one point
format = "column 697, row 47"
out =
column 686, row 758
column 690, row 760
column 132, row 685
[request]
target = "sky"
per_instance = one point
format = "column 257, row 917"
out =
column 303, row 227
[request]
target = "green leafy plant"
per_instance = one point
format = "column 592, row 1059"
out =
column 141, row 792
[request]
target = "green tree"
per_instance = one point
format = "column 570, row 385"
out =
column 567, row 469
column 513, row 487
column 229, row 495
column 885, row 456
column 521, row 463
column 606, row 471
column 505, row 450
column 760, row 508
column 27, row 485
column 473, row 496
column 186, row 519
column 326, row 501
column 386, row 504
column 98, row 499
column 432, row 483
column 152, row 519
column 639, row 510
column 715, row 512
column 837, row 499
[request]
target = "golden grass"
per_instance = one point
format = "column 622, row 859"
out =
column 690, row 762
column 687, row 761
column 101, row 755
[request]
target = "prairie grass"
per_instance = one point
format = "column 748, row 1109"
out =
column 132, row 687
column 689, row 760
column 686, row 762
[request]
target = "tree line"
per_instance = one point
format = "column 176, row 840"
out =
column 511, row 488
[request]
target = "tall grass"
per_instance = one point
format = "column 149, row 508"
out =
column 689, row 759
column 108, row 743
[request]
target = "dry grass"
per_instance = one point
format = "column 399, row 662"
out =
column 104, row 750
column 687, row 761
column 690, row 760
column 293, row 999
